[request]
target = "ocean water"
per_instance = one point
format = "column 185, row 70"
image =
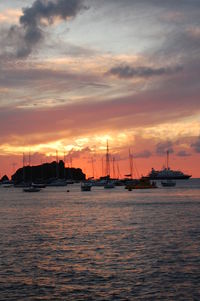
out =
column 100, row 245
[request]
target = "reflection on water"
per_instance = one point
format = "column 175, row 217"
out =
column 100, row 245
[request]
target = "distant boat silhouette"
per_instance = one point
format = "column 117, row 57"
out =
column 167, row 173
column 31, row 189
column 86, row 186
column 109, row 183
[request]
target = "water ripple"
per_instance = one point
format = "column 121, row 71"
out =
column 104, row 246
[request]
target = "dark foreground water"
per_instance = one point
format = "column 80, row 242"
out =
column 100, row 245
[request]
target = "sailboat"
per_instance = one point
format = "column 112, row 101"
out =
column 141, row 182
column 109, row 184
column 86, row 186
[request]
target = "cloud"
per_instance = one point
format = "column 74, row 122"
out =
column 50, row 84
column 89, row 116
column 126, row 71
column 78, row 153
column 170, row 4
column 29, row 33
column 196, row 145
column 163, row 147
column 183, row 153
column 143, row 154
column 10, row 16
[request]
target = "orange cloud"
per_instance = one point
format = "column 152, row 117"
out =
column 10, row 16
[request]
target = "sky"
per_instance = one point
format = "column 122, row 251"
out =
column 76, row 73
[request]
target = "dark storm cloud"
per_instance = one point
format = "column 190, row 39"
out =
column 163, row 147
column 30, row 31
column 196, row 145
column 125, row 71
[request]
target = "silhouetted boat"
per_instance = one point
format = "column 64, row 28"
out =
column 167, row 173
column 100, row 182
column 109, row 185
column 70, row 181
column 86, row 186
column 31, row 189
column 142, row 183
column 38, row 185
column 7, row 185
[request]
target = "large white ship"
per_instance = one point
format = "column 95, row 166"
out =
column 167, row 173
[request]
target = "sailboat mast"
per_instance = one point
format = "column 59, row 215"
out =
column 131, row 163
column 118, row 171
column 107, row 161
column 64, row 156
column 167, row 159
column 23, row 167
column 29, row 158
column 29, row 163
column 102, row 167
column 92, row 161
column 57, row 167
column 114, row 174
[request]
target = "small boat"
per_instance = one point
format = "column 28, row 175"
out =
column 70, row 181
column 86, row 186
column 22, row 185
column 7, row 185
column 109, row 185
column 31, row 189
column 99, row 183
column 142, row 183
column 38, row 185
column 168, row 183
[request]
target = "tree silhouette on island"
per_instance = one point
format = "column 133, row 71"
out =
column 47, row 172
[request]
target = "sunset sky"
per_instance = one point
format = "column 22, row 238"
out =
column 74, row 74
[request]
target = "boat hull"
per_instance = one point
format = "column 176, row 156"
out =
column 185, row 177
column 168, row 185
column 31, row 189
column 86, row 188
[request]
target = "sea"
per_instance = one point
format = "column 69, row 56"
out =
column 107, row 244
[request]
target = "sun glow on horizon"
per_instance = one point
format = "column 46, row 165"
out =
column 117, row 140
